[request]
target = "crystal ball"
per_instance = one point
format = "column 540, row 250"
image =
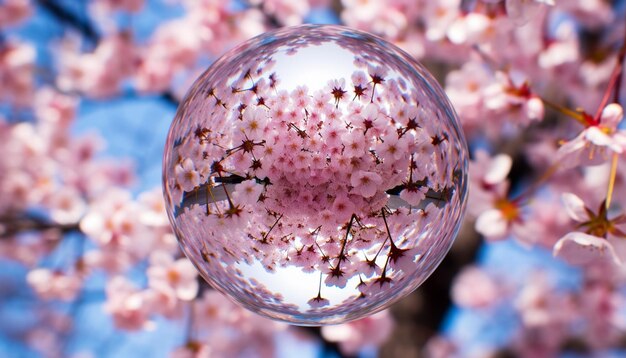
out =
column 315, row 174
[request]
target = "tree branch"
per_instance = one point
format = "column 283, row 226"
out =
column 73, row 20
column 10, row 225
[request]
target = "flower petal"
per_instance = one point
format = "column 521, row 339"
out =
column 575, row 207
column 498, row 169
column 596, row 136
column 491, row 224
column 580, row 249
column 612, row 114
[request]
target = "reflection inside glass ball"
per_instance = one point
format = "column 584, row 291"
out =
column 315, row 174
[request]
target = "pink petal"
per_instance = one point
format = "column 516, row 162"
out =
column 498, row 169
column 188, row 290
column 491, row 224
column 577, row 248
column 596, row 136
column 611, row 115
column 535, row 108
column 575, row 207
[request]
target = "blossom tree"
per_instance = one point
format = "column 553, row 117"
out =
column 85, row 242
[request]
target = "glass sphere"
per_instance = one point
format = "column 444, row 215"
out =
column 315, row 174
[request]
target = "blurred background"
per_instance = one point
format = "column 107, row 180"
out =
column 87, row 93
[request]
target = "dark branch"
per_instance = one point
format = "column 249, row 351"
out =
column 69, row 18
column 14, row 225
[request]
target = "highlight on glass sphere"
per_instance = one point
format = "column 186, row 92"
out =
column 315, row 174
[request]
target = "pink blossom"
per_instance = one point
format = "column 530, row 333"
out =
column 597, row 141
column 361, row 11
column 546, row 316
column 404, row 259
column 126, row 304
column 365, row 183
column 17, row 65
column 173, row 47
column 123, row 5
column 101, row 72
column 153, row 209
column 511, row 96
column 44, row 341
column 581, row 249
column 392, row 148
column 54, row 285
column 110, row 260
column 342, row 208
column 328, row 156
column 522, row 11
column 13, row 12
column 414, row 196
column 187, row 176
column 545, row 223
column 564, row 49
column 475, row 288
column 601, row 304
column 212, row 309
column 466, row 87
column 254, row 122
column 578, row 248
column 439, row 16
column 355, row 144
column 318, row 302
column 247, row 192
column 55, row 109
column 471, row 28
column 353, row 336
column 162, row 300
column 441, row 347
column 180, row 275
column 497, row 216
column 289, row 13
column 66, row 206
column 109, row 220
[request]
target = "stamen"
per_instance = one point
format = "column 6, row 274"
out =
column 612, row 176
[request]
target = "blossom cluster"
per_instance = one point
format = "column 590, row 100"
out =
column 350, row 180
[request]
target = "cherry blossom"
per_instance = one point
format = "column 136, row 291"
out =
column 313, row 189
column 167, row 274
column 594, row 245
column 496, row 215
column 370, row 331
column 523, row 10
column 121, row 5
column 511, row 95
column 100, row 73
column 49, row 284
column 17, row 65
column 475, row 288
column 127, row 304
column 13, row 12
column 595, row 143
column 582, row 249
